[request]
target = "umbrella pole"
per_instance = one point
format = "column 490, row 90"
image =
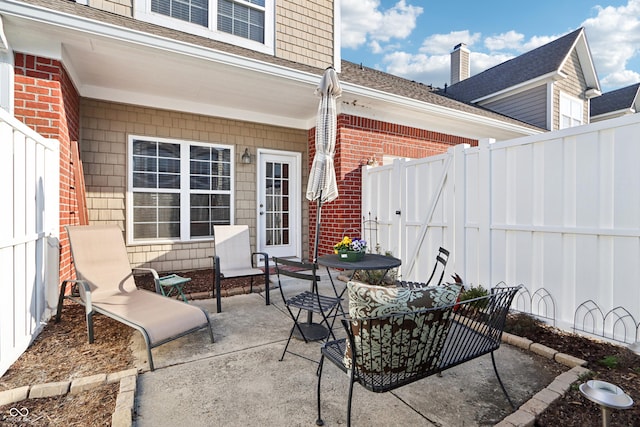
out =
column 318, row 212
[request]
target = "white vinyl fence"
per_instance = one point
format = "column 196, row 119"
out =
column 558, row 213
column 29, row 232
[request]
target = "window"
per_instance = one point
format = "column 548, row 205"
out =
column 246, row 23
column 178, row 190
column 242, row 19
column 571, row 110
column 194, row 11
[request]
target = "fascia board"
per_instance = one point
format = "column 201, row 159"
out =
column 101, row 29
column 613, row 114
column 513, row 90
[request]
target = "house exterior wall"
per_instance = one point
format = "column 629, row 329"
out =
column 530, row 106
column 360, row 141
column 47, row 101
column 304, row 31
column 105, row 130
column 574, row 85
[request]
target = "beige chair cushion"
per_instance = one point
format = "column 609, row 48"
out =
column 367, row 301
column 234, row 249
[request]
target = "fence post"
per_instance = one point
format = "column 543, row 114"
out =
column 458, row 215
column 484, row 214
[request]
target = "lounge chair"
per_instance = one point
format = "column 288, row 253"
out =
column 105, row 285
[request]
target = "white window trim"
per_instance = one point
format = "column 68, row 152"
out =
column 185, row 190
column 142, row 11
column 571, row 100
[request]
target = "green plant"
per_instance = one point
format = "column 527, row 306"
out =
column 472, row 293
column 589, row 375
column 610, row 362
column 378, row 277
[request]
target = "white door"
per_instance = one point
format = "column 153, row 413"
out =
column 279, row 206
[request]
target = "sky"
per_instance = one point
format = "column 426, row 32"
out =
column 414, row 38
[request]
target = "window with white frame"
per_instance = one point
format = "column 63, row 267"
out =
column 178, row 190
column 571, row 111
column 245, row 23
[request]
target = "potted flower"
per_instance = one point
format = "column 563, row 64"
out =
column 349, row 249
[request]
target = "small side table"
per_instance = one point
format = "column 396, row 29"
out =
column 173, row 283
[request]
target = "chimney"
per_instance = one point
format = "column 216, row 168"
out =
column 460, row 64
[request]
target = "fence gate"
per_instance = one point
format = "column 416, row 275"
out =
column 29, row 232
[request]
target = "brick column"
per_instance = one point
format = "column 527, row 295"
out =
column 47, row 101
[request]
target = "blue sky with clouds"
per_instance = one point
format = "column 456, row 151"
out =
column 413, row 38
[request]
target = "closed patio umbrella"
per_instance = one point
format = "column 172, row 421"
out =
column 322, row 184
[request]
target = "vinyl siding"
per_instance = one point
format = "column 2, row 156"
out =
column 528, row 106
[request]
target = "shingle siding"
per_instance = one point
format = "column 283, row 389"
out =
column 304, row 31
column 529, row 106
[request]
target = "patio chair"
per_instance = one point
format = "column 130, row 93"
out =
column 310, row 302
column 232, row 258
column 439, row 267
column 105, row 285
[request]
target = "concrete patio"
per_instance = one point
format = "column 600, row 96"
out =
column 238, row 380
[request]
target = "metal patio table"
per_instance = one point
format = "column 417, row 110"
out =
column 368, row 262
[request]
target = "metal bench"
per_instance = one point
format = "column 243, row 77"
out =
column 431, row 340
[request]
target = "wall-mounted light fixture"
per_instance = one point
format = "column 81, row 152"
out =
column 246, row 157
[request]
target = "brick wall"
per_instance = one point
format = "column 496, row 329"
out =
column 358, row 141
column 47, row 101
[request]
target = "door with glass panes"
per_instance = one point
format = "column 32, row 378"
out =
column 279, row 216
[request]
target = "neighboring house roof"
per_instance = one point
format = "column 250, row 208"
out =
column 617, row 102
column 111, row 56
column 530, row 66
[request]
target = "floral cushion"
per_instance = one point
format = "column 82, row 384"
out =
column 366, row 301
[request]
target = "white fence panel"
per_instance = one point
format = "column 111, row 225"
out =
column 29, row 233
column 557, row 212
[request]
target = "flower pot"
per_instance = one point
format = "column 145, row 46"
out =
column 350, row 256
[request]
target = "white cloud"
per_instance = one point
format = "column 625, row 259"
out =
column 482, row 61
column 363, row 21
column 443, row 44
column 508, row 40
column 614, row 39
column 429, row 69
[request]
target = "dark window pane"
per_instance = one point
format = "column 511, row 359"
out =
column 200, row 168
column 169, row 150
column 169, row 230
column 200, row 183
column 169, row 165
column 169, row 181
column 145, row 180
column 200, row 214
column 144, row 148
column 199, row 153
column 201, row 230
column 144, row 231
column 145, row 215
column 169, row 214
